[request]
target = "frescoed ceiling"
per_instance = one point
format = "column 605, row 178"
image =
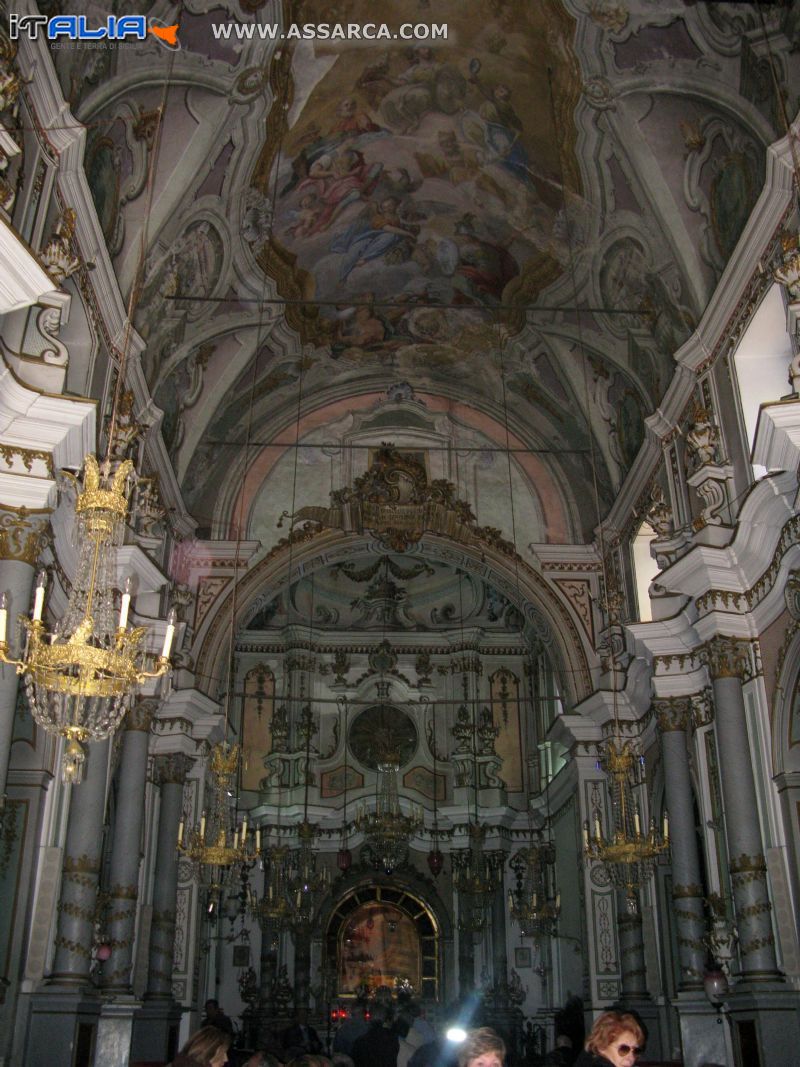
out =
column 526, row 219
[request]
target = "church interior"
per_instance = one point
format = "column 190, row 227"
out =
column 399, row 541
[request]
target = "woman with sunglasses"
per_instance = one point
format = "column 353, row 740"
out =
column 615, row 1040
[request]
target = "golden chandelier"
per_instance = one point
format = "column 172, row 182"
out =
column 217, row 845
column 628, row 854
column 79, row 678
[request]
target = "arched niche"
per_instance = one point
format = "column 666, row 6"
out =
column 380, row 931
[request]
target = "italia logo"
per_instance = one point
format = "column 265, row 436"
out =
column 77, row 28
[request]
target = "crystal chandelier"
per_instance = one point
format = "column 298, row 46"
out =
column 628, row 854
column 387, row 830
column 534, row 904
column 307, row 885
column 79, row 678
column 217, row 846
column 273, row 910
column 476, row 877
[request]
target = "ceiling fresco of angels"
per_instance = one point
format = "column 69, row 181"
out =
column 418, row 189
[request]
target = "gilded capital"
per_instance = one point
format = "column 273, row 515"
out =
column 729, row 657
column 23, row 535
column 673, row 713
column 140, row 714
column 172, row 768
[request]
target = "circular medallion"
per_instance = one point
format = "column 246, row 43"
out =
column 382, row 732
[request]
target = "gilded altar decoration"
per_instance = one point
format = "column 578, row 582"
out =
column 396, row 502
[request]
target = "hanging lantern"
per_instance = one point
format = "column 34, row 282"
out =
column 79, row 679
column 435, row 862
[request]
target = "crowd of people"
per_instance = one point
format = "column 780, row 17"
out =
column 378, row 1036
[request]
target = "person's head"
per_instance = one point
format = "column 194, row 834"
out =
column 618, row 1036
column 380, row 1014
column 208, row 1046
column 481, row 1048
column 263, row 1059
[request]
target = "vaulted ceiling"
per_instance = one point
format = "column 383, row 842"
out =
column 519, row 225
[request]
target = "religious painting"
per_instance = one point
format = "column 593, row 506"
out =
column 425, row 782
column 378, row 946
column 102, row 174
column 522, row 957
column 259, row 701
column 506, row 713
column 733, row 194
column 333, row 783
column 418, row 189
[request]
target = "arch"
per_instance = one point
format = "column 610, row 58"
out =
column 548, row 622
column 410, row 894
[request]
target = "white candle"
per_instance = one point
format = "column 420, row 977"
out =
column 180, row 832
column 637, row 826
column 597, row 825
column 125, row 604
column 258, row 839
column 38, row 603
column 586, row 835
column 169, row 635
column 3, row 618
column 666, row 828
column 203, row 826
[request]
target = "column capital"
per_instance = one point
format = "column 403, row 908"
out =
column 141, row 714
column 730, row 657
column 673, row 713
column 23, row 534
column 172, row 768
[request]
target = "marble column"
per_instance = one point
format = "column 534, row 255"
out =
column 466, row 963
column 302, row 967
column 499, row 939
column 22, row 537
column 673, row 715
column 729, row 661
column 123, row 889
column 80, row 872
column 633, row 970
column 268, row 969
column 171, row 771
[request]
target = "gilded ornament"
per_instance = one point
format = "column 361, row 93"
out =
column 22, row 537
column 730, row 657
column 672, row 713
